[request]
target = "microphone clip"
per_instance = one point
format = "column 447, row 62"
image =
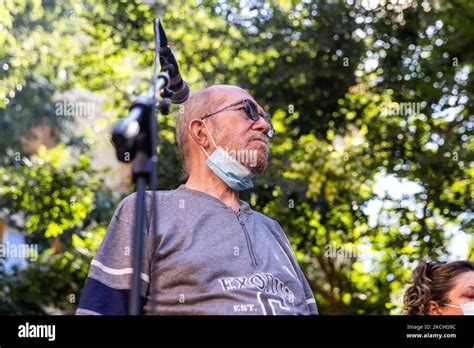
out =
column 166, row 93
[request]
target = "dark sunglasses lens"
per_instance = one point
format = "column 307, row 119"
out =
column 252, row 113
column 251, row 110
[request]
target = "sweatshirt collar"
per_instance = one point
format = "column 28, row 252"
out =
column 244, row 206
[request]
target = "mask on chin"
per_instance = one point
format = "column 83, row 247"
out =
column 228, row 169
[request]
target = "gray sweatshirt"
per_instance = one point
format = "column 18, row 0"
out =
column 203, row 258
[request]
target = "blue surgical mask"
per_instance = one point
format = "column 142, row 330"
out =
column 228, row 169
column 467, row 308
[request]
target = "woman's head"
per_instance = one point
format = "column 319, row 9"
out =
column 440, row 288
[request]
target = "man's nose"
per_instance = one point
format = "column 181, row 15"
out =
column 261, row 125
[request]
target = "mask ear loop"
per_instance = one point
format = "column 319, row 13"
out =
column 210, row 136
column 450, row 305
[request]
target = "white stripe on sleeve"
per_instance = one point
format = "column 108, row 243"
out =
column 118, row 271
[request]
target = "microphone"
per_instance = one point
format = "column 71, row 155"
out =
column 178, row 86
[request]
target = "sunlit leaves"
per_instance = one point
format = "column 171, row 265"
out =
column 53, row 191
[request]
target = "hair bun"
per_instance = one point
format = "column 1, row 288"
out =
column 418, row 294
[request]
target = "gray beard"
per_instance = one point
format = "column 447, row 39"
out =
column 256, row 159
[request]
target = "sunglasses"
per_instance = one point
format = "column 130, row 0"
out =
column 251, row 111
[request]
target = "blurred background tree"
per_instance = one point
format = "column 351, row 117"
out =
column 371, row 167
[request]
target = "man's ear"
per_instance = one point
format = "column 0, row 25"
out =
column 199, row 133
column 434, row 308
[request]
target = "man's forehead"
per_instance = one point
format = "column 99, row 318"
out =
column 232, row 94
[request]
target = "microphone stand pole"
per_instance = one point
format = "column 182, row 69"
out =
column 136, row 138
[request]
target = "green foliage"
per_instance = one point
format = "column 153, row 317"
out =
column 329, row 72
column 65, row 211
column 55, row 195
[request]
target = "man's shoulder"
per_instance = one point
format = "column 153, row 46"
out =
column 161, row 197
column 266, row 219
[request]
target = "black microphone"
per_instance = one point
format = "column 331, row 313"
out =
column 178, row 86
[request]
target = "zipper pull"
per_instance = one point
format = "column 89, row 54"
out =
column 238, row 216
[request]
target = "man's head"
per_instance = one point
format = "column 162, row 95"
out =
column 243, row 138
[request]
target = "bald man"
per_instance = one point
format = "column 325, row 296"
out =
column 211, row 253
